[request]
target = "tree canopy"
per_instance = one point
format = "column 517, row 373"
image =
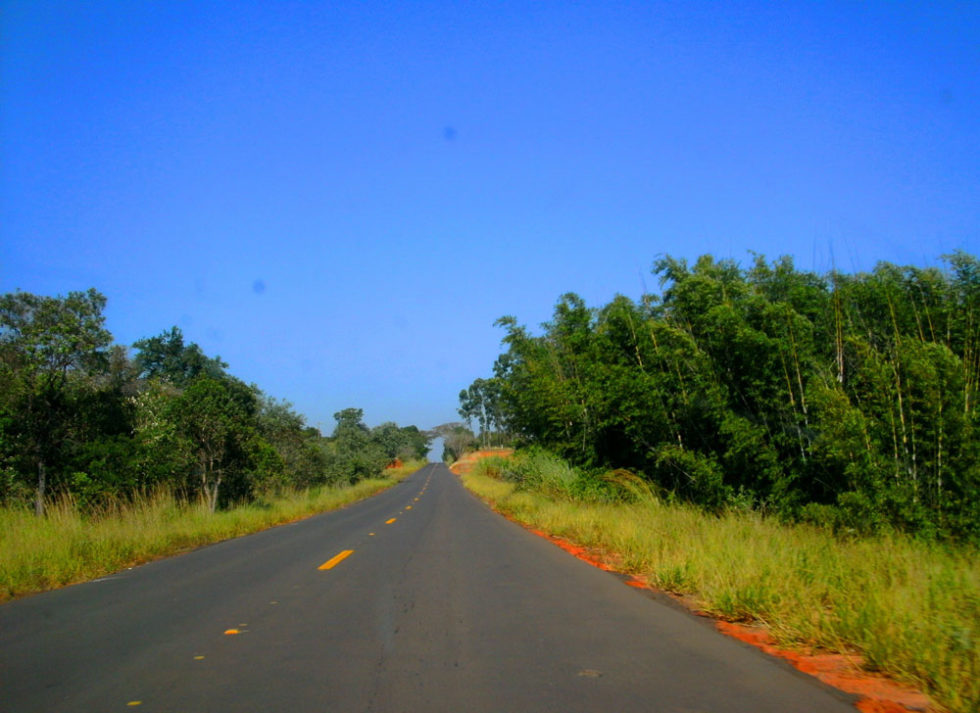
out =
column 46, row 345
column 79, row 415
column 848, row 399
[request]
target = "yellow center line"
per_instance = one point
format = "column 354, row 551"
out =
column 408, row 507
column 335, row 560
column 388, row 522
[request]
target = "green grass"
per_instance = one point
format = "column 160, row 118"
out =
column 67, row 546
column 911, row 608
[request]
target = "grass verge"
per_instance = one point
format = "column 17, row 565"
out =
column 911, row 609
column 67, row 546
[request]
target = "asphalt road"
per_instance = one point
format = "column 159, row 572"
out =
column 440, row 605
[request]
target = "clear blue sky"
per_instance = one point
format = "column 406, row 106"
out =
column 339, row 198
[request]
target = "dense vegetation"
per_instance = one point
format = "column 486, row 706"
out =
column 848, row 400
column 81, row 416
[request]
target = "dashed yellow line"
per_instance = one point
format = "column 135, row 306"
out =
column 388, row 522
column 336, row 559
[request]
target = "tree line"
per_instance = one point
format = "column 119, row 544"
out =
column 845, row 399
column 81, row 415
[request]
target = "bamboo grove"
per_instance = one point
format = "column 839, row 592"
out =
column 844, row 399
column 83, row 417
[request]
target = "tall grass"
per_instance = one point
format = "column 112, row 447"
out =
column 70, row 545
column 910, row 608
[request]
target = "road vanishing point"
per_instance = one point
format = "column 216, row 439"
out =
column 419, row 599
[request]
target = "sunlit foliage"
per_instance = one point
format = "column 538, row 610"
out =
column 849, row 400
column 81, row 417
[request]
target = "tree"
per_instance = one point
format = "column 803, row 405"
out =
column 457, row 439
column 166, row 357
column 854, row 394
column 350, row 434
column 354, row 454
column 416, row 442
column 164, row 454
column 295, row 444
column 215, row 416
column 389, row 437
column 481, row 401
column 43, row 342
column 397, row 442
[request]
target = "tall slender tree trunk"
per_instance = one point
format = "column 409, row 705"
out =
column 908, row 432
column 838, row 334
column 939, row 465
column 42, row 481
column 213, row 494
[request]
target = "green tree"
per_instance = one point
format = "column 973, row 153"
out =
column 389, row 438
column 416, row 442
column 164, row 455
column 165, row 356
column 302, row 462
column 457, row 439
column 398, row 442
column 354, row 455
column 44, row 342
column 481, row 402
column 215, row 417
column 851, row 397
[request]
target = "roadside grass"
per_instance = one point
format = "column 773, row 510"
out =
column 910, row 608
column 69, row 546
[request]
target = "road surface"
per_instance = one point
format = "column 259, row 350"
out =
column 419, row 599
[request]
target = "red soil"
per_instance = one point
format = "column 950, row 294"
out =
column 878, row 693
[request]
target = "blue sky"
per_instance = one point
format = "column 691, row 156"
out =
column 340, row 198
